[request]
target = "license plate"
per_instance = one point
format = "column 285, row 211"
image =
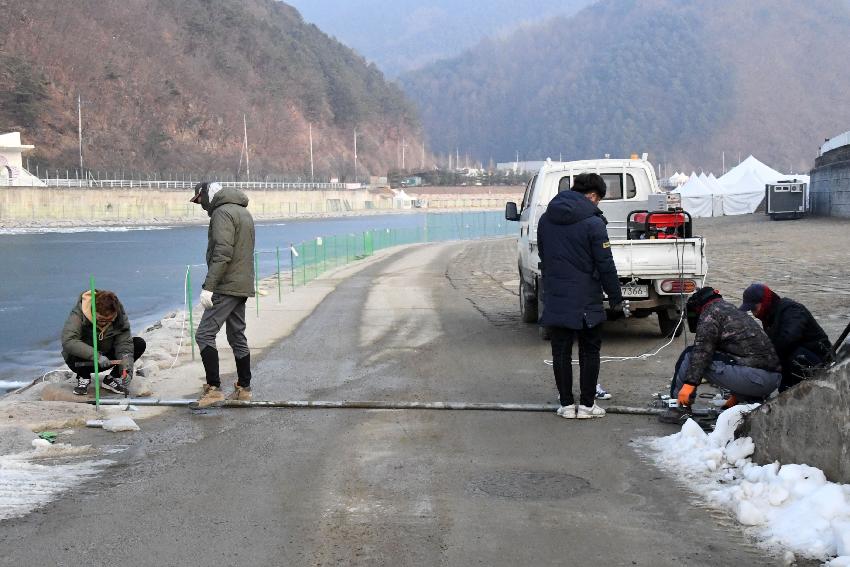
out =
column 630, row 291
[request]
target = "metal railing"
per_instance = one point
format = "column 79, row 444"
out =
column 183, row 185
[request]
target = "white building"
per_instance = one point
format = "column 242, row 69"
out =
column 12, row 172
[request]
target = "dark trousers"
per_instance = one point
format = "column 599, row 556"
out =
column 798, row 367
column 589, row 345
column 226, row 310
column 746, row 383
column 139, row 346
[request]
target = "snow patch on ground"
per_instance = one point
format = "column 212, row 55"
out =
column 787, row 508
column 32, row 479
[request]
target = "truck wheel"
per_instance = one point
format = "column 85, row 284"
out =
column 527, row 302
column 668, row 324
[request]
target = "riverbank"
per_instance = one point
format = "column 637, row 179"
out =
column 33, row 208
column 169, row 368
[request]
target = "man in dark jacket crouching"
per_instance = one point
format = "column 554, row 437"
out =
column 576, row 265
column 730, row 351
column 798, row 339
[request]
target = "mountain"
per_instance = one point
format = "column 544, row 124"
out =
column 681, row 79
column 401, row 35
column 165, row 84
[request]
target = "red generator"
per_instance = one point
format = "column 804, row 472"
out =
column 647, row 225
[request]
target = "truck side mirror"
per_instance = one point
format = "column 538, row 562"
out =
column 511, row 213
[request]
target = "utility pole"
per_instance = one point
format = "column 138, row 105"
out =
column 245, row 134
column 80, row 127
column 403, row 147
column 312, row 172
column 423, row 156
column 355, row 155
column 457, row 157
column 723, row 159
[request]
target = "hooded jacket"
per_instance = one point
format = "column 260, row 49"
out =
column 577, row 263
column 791, row 326
column 230, row 245
column 725, row 330
column 114, row 337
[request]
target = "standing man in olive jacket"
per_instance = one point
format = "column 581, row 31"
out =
column 799, row 340
column 229, row 284
column 115, row 342
column 577, row 265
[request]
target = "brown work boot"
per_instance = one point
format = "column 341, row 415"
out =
column 240, row 394
column 212, row 396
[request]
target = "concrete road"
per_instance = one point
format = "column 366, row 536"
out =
column 352, row 487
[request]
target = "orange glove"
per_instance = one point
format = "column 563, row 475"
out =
column 686, row 394
column 732, row 401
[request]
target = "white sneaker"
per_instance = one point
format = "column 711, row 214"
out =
column 585, row 412
column 567, row 412
column 602, row 393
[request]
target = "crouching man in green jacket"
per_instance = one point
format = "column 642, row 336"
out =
column 114, row 342
column 229, row 284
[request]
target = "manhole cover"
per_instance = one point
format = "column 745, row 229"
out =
column 530, row 485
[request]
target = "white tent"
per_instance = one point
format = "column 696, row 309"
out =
column 717, row 208
column 678, row 179
column 697, row 198
column 744, row 196
column 751, row 165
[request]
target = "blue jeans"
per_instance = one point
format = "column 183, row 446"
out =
column 744, row 382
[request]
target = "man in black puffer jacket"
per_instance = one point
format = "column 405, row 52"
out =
column 576, row 264
column 799, row 341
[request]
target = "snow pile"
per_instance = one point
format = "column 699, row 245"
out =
column 120, row 423
column 26, row 485
column 790, row 507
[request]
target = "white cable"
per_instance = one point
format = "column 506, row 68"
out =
column 183, row 323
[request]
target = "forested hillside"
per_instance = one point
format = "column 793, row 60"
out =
column 401, row 35
column 682, row 79
column 165, row 85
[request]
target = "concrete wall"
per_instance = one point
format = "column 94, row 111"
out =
column 830, row 184
column 34, row 204
column 808, row 424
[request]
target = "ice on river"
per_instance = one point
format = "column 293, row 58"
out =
column 787, row 507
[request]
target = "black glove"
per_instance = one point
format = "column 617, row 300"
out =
column 620, row 310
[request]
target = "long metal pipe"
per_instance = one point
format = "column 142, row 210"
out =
column 377, row 405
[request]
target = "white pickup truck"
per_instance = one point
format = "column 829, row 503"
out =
column 656, row 273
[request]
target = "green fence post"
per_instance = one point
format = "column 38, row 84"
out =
column 277, row 256
column 257, row 281
column 94, row 342
column 189, row 307
column 304, row 261
column 324, row 255
column 347, row 243
column 292, row 264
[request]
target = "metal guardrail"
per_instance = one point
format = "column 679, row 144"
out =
column 184, row 185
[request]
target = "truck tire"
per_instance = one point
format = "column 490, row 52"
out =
column 667, row 324
column 527, row 302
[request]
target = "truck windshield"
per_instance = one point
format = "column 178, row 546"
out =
column 614, row 183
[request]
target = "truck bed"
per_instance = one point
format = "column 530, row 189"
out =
column 657, row 258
